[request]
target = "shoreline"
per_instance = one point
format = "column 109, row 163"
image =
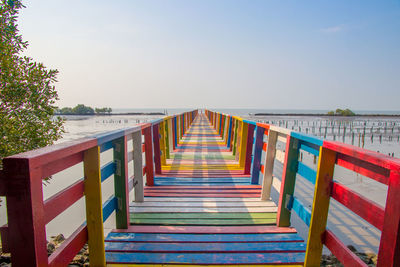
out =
column 118, row 114
column 325, row 115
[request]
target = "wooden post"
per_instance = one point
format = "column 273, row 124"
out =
column 121, row 188
column 26, row 225
column 157, row 152
column 389, row 247
column 230, row 133
column 269, row 165
column 94, row 206
column 243, row 144
column 319, row 214
column 166, row 134
column 174, row 137
column 138, row 166
column 162, row 144
column 288, row 180
column 249, row 148
column 148, row 145
column 255, row 173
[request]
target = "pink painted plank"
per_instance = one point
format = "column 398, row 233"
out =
column 218, row 187
column 260, row 229
column 63, row 199
column 147, row 194
column 203, row 191
column 365, row 208
column 344, row 254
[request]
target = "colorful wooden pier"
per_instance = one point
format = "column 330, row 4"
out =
column 200, row 185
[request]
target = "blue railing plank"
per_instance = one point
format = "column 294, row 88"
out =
column 107, row 170
column 109, row 206
column 306, row 172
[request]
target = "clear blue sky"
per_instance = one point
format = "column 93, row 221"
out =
column 219, row 53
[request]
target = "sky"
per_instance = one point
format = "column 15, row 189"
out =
column 219, row 53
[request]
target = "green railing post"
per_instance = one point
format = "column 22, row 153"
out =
column 121, row 189
column 288, row 180
column 138, row 166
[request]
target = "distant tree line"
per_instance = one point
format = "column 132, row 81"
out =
column 81, row 109
column 341, row 112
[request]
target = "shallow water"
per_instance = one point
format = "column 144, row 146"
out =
column 387, row 128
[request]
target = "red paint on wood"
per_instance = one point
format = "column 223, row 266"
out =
column 69, row 248
column 373, row 157
column 262, row 169
column 264, row 125
column 143, row 148
column 157, row 151
column 149, row 157
column 43, row 156
column 144, row 170
column 343, row 253
column 61, row 164
column 25, row 213
column 5, row 239
column 363, row 167
column 62, row 200
column 265, row 145
column 258, row 229
column 365, row 208
column 389, row 248
column 249, row 148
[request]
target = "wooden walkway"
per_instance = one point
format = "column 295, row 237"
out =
column 203, row 211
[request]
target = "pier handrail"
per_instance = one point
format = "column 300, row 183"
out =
column 373, row 165
column 28, row 213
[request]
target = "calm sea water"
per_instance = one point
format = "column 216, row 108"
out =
column 377, row 134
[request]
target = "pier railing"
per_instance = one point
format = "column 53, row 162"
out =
column 144, row 146
column 251, row 142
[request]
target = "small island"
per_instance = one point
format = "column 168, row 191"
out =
column 81, row 109
column 341, row 112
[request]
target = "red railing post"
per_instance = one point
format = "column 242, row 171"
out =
column 25, row 211
column 157, row 151
column 148, row 144
column 389, row 248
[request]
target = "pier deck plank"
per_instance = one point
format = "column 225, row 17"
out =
column 204, row 211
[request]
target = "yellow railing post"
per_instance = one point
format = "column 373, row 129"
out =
column 319, row 214
column 243, row 145
column 94, row 206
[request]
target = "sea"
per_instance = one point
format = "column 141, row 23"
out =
column 380, row 134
